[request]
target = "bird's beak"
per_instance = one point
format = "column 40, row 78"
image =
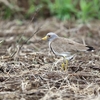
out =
column 44, row 38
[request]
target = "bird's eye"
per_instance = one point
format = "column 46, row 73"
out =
column 48, row 35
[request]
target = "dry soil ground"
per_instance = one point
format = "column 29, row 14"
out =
column 33, row 74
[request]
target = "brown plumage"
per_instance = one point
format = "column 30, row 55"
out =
column 67, row 45
column 63, row 46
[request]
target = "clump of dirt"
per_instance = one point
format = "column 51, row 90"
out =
column 34, row 74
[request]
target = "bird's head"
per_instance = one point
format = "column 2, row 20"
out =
column 50, row 36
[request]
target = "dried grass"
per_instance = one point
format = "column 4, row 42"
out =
column 35, row 75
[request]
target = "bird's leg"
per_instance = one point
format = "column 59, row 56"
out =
column 64, row 65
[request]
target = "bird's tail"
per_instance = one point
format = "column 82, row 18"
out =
column 89, row 48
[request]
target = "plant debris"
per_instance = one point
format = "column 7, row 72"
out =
column 35, row 74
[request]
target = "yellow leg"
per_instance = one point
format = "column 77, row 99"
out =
column 64, row 65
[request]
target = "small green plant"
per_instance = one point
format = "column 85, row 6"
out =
column 79, row 9
column 63, row 9
column 7, row 12
column 31, row 8
column 89, row 10
column 96, row 9
column 85, row 12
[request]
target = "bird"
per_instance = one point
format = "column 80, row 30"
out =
column 64, row 47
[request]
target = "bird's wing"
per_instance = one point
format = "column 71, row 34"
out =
column 67, row 45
